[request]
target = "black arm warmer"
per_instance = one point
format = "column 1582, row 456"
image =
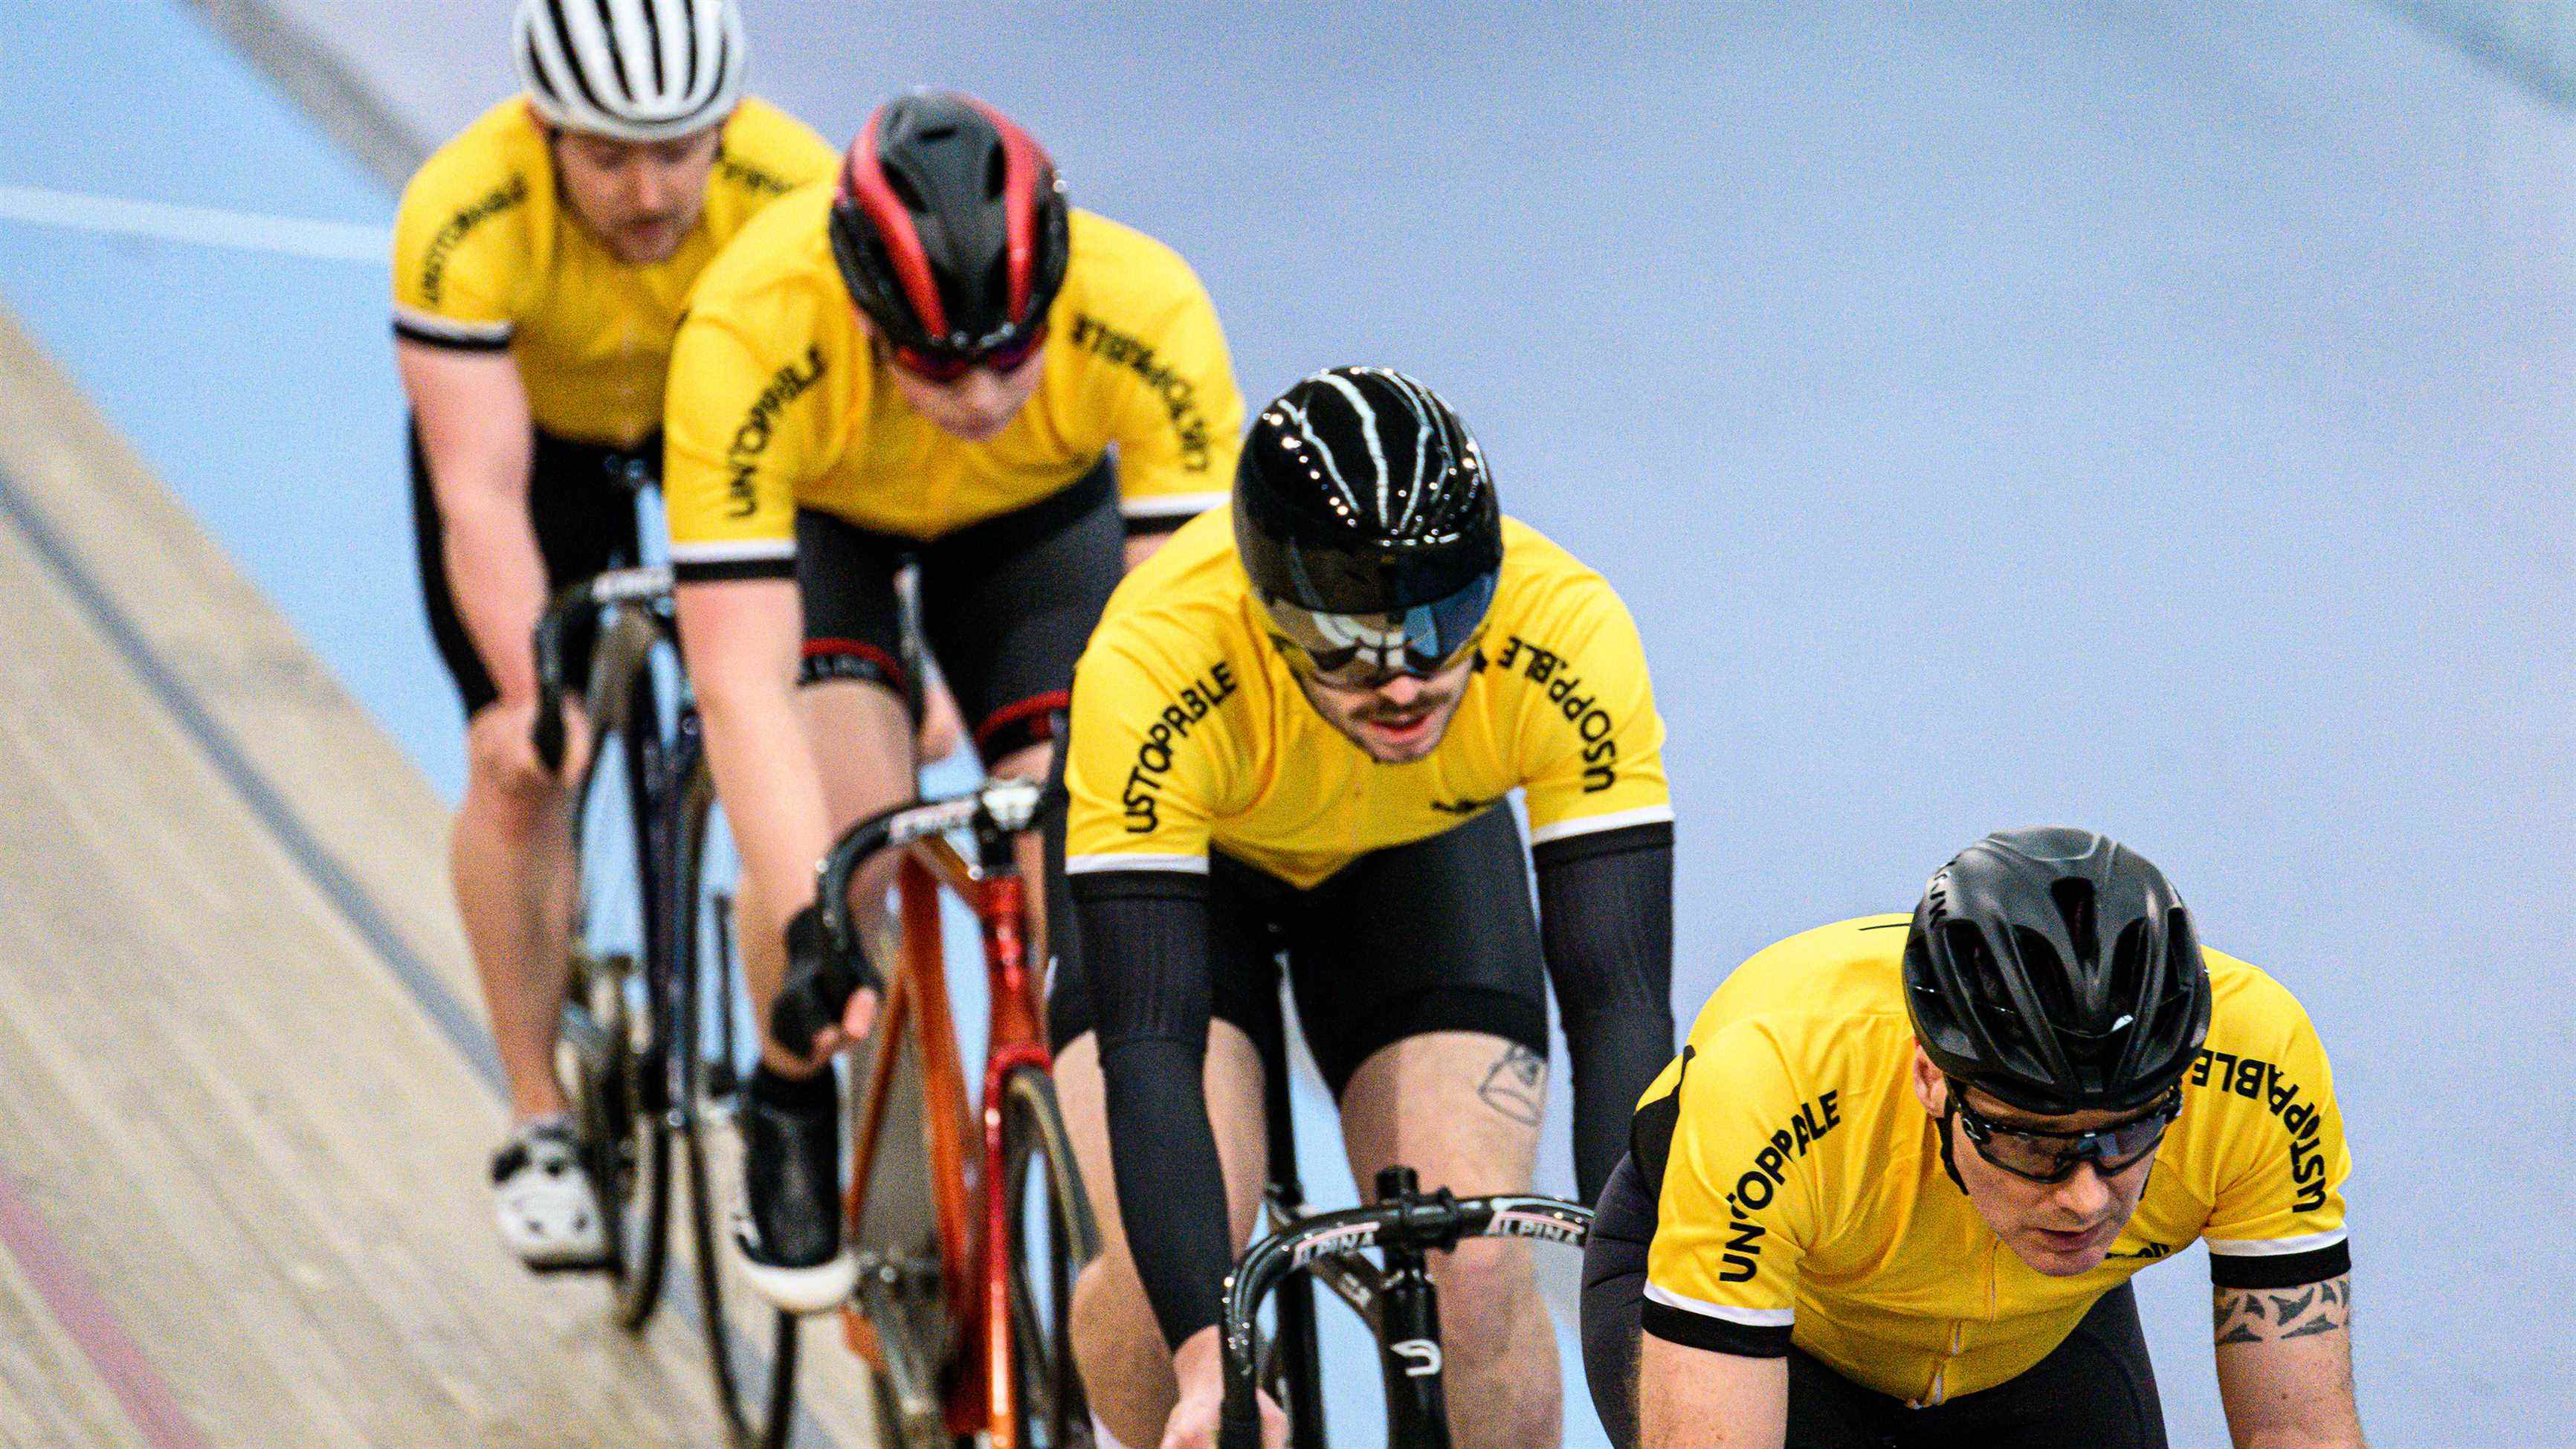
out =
column 1145, row 957
column 1605, row 905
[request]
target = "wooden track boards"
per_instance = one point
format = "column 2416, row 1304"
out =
column 245, row 1104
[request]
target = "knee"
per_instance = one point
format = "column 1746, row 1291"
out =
column 1029, row 762
column 1486, row 1289
column 503, row 779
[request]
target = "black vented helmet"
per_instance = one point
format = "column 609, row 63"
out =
column 950, row 227
column 1360, row 492
column 1366, row 518
column 2058, row 970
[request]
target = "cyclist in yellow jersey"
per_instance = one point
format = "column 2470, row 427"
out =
column 1294, row 731
column 933, row 358
column 1894, row 1188
column 540, row 262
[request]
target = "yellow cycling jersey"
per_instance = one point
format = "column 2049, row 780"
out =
column 1189, row 732
column 779, row 401
column 487, row 255
column 1803, row 1197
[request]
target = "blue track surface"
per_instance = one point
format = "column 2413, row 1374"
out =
column 2151, row 416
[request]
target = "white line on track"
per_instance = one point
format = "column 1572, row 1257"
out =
column 336, row 241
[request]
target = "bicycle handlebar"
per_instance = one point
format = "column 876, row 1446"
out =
column 999, row 809
column 604, row 591
column 1418, row 1222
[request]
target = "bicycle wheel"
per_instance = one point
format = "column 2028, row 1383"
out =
column 751, row 1344
column 1052, row 1238
column 610, row 1044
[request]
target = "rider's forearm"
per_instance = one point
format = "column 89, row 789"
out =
column 498, row 579
column 740, row 639
column 1144, row 939
column 1606, row 922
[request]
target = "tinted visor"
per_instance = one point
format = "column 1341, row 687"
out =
column 1362, row 651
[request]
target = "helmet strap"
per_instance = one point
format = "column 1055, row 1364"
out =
column 1949, row 1116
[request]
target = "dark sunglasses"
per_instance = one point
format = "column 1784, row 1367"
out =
column 947, row 367
column 2054, row 1156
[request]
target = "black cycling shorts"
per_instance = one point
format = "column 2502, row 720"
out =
column 1438, row 935
column 2096, row 1389
column 581, row 499
column 1006, row 606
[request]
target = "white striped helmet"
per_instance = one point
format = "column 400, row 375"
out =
column 637, row 70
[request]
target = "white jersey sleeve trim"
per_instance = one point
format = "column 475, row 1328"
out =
column 1615, row 820
column 2275, row 1247
column 1094, row 864
column 1170, row 505
column 430, row 324
column 1749, row 1317
column 732, row 550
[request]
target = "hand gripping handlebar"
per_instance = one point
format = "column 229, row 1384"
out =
column 608, row 590
column 826, row 964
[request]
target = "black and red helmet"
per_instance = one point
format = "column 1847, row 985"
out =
column 951, row 230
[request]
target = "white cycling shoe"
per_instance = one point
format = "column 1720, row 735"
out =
column 543, row 1202
column 800, row 1289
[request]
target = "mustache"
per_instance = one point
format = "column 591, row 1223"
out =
column 1402, row 714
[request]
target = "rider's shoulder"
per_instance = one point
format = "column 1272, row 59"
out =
column 1814, row 990
column 1544, row 588
column 767, row 153
column 2251, row 1012
column 497, row 165
column 1119, row 278
column 782, row 257
column 1190, row 596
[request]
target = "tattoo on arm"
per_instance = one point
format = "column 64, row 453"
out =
column 1516, row 1085
column 2244, row 1315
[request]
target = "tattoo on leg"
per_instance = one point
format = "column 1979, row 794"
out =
column 2239, row 1316
column 1516, row 1085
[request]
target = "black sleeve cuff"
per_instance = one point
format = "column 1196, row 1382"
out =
column 1593, row 844
column 2284, row 1270
column 1155, row 526
column 1138, row 885
column 730, row 570
column 1716, row 1335
column 448, row 341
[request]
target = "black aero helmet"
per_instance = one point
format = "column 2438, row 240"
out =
column 1366, row 519
column 951, row 229
column 2058, row 970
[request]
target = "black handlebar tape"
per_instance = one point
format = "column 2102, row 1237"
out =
column 1238, row 1424
column 549, row 734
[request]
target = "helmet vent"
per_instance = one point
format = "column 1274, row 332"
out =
column 996, row 167
column 2129, row 964
column 2047, row 975
column 1968, row 947
column 2075, row 902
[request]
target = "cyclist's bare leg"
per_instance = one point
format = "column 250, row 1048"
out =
column 1461, row 1109
column 1126, row 1369
column 511, row 860
column 862, row 745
